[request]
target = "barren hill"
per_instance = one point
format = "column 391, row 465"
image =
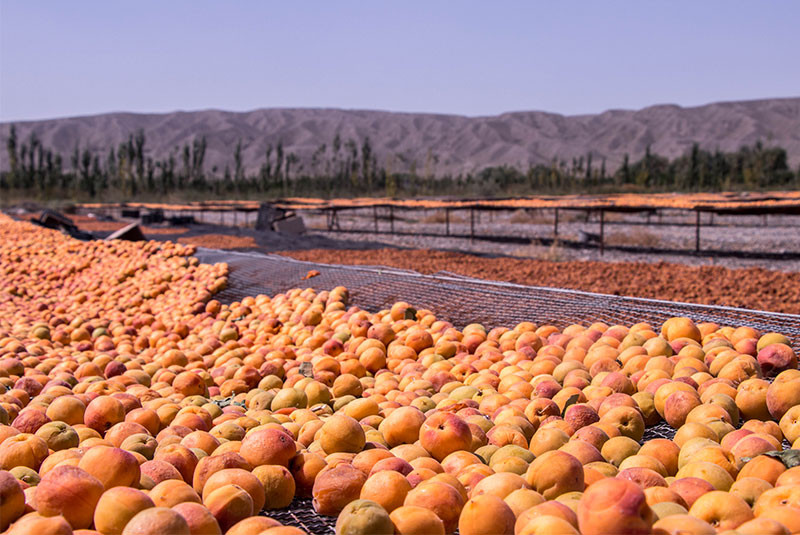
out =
column 437, row 144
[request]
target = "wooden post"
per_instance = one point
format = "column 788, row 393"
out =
column 447, row 221
column 602, row 231
column 697, row 232
column 555, row 224
column 391, row 218
column 375, row 217
column 471, row 224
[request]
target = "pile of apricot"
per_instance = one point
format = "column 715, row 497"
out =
column 133, row 402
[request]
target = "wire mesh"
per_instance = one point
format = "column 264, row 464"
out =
column 464, row 300
column 301, row 514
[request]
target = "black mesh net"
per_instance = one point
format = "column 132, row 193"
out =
column 464, row 300
column 301, row 514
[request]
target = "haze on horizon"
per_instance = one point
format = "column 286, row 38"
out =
column 62, row 59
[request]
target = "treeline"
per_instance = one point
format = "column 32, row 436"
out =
column 349, row 167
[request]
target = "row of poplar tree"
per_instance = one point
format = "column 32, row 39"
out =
column 351, row 167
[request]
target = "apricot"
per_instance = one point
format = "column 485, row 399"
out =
column 782, row 396
column 117, row 506
column 692, row 430
column 304, row 468
column 763, row 467
column 500, row 485
column 523, row 499
column 111, row 466
column 486, row 515
column 555, row 473
column 103, row 412
column 617, row 449
column 208, row 466
column 181, row 457
column 253, row 525
column 775, row 358
column 749, row 489
column 627, row 420
column 12, row 499
column 22, row 449
column 762, row 526
column 683, row 524
column 199, row 519
column 546, row 525
column 387, row 488
column 157, row 521
column 548, row 508
column 656, row 494
column 229, row 504
column 443, row 433
column 336, row 487
column 241, row 478
column 413, row 520
column 364, row 517
column 614, row 506
column 547, row 439
column 158, row 471
column 268, row 446
column 722, row 510
column 279, row 485
column 402, row 426
column 719, row 478
column 341, row 433
column 663, row 450
column 34, row 524
column 171, row 492
column 58, row 436
column 665, row 509
column 70, row 492
column 441, row 498
column 678, row 406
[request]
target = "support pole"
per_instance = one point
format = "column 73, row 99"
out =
column 447, row 221
column 471, row 224
column 602, row 231
column 391, row 218
column 555, row 224
column 697, row 232
column 375, row 217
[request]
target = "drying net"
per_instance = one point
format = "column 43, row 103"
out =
column 464, row 300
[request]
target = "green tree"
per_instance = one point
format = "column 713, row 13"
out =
column 367, row 172
column 13, row 158
column 238, row 166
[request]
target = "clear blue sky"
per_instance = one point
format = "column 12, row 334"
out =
column 64, row 58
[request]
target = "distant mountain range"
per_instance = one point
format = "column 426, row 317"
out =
column 435, row 144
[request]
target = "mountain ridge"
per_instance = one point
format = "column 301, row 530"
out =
column 441, row 144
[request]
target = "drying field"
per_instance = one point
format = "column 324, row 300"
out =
column 132, row 401
column 754, row 288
